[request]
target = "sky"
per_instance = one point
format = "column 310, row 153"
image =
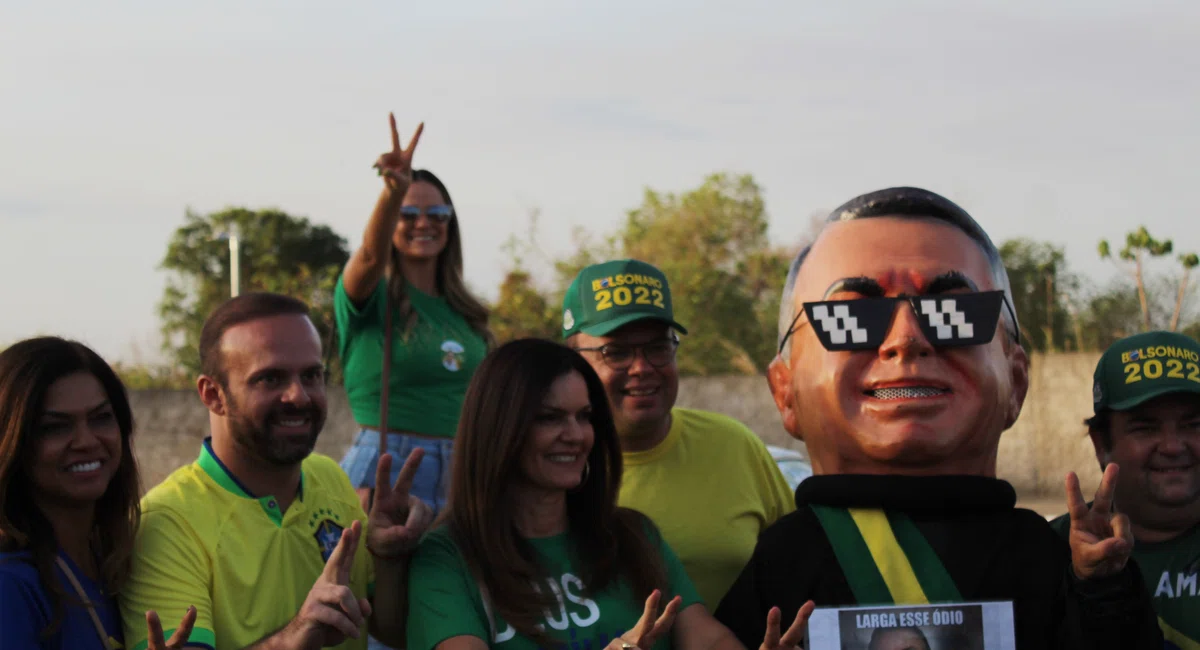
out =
column 1062, row 123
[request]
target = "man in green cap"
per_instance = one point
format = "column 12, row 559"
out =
column 705, row 479
column 1146, row 403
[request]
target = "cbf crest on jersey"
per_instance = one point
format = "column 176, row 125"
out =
column 328, row 534
column 949, row 320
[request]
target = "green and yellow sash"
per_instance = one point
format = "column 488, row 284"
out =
column 1175, row 638
column 886, row 559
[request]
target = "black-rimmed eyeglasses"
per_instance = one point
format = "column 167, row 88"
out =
column 619, row 356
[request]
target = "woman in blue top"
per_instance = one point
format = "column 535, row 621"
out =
column 402, row 296
column 68, row 500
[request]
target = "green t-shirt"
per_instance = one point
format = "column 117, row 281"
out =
column 446, row 602
column 430, row 370
column 1171, row 570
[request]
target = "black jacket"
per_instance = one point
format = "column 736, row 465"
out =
column 991, row 550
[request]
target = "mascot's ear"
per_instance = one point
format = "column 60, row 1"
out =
column 779, row 378
column 1018, row 362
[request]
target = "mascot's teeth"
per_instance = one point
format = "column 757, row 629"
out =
column 907, row 392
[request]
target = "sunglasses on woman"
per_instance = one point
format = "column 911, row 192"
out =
column 439, row 213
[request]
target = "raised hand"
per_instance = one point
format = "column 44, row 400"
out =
column 154, row 638
column 331, row 613
column 649, row 629
column 395, row 166
column 397, row 519
column 1101, row 540
column 794, row 635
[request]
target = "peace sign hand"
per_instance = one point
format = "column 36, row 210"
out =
column 331, row 613
column 397, row 519
column 1101, row 540
column 395, row 166
column 154, row 638
column 794, row 634
column 646, row 633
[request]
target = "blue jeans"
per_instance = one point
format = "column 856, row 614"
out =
column 433, row 476
column 430, row 483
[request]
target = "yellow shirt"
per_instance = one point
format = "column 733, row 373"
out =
column 711, row 486
column 247, row 567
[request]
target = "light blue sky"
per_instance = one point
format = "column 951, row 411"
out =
column 1063, row 123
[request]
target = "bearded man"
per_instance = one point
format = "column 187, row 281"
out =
column 259, row 533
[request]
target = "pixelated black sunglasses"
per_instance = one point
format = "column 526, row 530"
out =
column 952, row 320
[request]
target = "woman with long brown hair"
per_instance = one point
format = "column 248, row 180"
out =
column 69, row 493
column 532, row 550
column 410, row 334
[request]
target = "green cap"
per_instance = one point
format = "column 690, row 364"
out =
column 612, row 294
column 1141, row 367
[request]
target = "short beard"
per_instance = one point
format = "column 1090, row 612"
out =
column 256, row 437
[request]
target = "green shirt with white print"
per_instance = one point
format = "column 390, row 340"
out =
column 446, row 601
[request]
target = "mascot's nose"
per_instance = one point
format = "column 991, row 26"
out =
column 905, row 339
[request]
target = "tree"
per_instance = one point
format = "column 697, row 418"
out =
column 147, row 377
column 1139, row 248
column 1138, row 245
column 522, row 311
column 763, row 274
column 1111, row 314
column 1188, row 261
column 279, row 253
column 1041, row 288
column 711, row 242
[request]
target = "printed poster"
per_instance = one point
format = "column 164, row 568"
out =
column 955, row 626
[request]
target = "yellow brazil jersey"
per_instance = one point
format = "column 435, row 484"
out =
column 711, row 487
column 206, row 541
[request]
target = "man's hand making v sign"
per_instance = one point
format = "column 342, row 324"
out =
column 331, row 613
column 1101, row 539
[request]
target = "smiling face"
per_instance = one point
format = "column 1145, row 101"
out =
column 77, row 443
column 422, row 233
column 641, row 395
column 906, row 407
column 556, row 450
column 273, row 394
column 1157, row 446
